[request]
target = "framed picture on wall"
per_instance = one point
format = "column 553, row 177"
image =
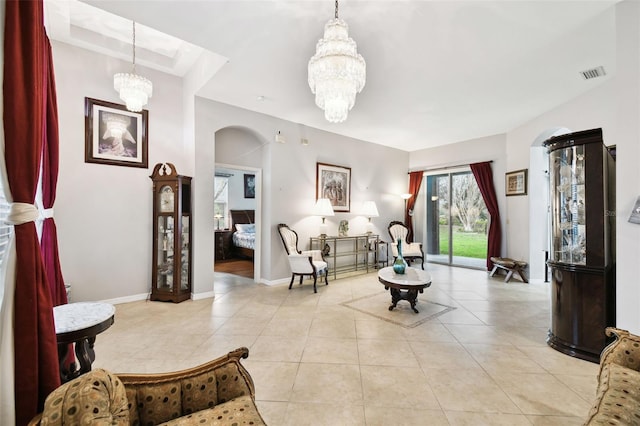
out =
column 334, row 182
column 516, row 182
column 249, row 186
column 114, row 135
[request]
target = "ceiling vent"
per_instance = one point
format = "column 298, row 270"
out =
column 593, row 73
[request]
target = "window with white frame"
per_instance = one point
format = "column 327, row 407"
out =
column 221, row 202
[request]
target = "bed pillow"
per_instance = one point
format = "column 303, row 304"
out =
column 249, row 228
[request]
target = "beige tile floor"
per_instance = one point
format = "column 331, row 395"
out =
column 316, row 361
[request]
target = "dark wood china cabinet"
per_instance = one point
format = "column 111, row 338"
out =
column 171, row 269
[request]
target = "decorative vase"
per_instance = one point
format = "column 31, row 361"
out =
column 399, row 265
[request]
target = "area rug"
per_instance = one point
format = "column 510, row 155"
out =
column 377, row 305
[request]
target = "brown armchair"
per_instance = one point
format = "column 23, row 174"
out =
column 219, row 392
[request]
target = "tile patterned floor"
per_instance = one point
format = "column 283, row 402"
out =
column 316, row 361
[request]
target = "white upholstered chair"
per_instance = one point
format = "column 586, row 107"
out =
column 309, row 262
column 410, row 251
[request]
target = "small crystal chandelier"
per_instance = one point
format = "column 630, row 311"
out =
column 134, row 89
column 336, row 72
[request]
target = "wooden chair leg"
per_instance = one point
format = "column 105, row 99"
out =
column 509, row 275
column 291, row 283
column 521, row 273
column 494, row 270
column 301, row 277
column 315, row 278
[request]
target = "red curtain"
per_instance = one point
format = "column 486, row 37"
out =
column 25, row 92
column 415, row 179
column 484, row 177
column 50, row 155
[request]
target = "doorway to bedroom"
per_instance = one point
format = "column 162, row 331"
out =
column 234, row 201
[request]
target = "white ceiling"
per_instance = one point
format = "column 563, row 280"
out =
column 438, row 72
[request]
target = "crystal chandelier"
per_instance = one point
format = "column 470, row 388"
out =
column 134, row 89
column 336, row 72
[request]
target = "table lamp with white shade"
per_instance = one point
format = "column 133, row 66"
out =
column 323, row 209
column 369, row 210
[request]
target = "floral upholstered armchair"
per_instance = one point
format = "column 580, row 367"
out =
column 220, row 392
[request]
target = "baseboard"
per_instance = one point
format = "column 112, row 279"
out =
column 145, row 296
column 203, row 295
column 274, row 282
column 127, row 299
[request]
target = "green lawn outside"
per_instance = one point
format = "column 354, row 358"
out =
column 465, row 244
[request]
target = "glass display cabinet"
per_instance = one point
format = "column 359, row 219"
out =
column 582, row 189
column 171, row 269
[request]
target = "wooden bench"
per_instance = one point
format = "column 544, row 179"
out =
column 510, row 266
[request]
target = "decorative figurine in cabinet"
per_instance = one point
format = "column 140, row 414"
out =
column 171, row 272
column 582, row 262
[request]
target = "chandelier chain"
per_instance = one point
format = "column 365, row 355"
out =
column 336, row 9
column 134, row 47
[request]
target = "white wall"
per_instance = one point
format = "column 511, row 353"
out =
column 490, row 148
column 612, row 105
column 289, row 177
column 103, row 213
column 626, row 136
column 594, row 109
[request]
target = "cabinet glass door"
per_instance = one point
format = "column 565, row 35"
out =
column 164, row 279
column 568, row 205
column 184, row 254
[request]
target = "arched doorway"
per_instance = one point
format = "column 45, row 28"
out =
column 238, row 163
column 539, row 204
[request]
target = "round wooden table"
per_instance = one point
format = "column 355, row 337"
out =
column 80, row 323
column 413, row 281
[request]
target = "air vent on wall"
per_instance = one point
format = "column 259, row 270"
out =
column 593, row 73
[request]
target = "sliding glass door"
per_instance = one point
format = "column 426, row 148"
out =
column 457, row 221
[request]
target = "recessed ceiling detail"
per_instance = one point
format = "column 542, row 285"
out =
column 441, row 71
column 85, row 26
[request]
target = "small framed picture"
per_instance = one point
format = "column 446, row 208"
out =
column 516, row 182
column 334, row 182
column 114, row 135
column 249, row 186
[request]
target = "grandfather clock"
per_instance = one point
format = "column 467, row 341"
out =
column 171, row 270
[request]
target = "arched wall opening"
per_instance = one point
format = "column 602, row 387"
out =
column 238, row 148
column 539, row 204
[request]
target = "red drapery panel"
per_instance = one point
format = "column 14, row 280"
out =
column 415, row 179
column 50, row 156
column 484, row 178
column 24, row 88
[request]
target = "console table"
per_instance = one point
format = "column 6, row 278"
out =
column 80, row 323
column 349, row 254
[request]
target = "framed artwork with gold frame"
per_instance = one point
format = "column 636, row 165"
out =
column 516, row 182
